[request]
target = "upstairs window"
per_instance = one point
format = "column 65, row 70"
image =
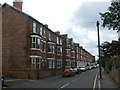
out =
column 39, row 43
column 68, row 52
column 33, row 42
column 44, row 33
column 51, row 48
column 77, row 56
column 59, row 50
column 41, row 30
column 60, row 41
column 59, row 63
column 57, row 40
column 77, row 50
column 49, row 36
column 34, row 28
column 44, row 47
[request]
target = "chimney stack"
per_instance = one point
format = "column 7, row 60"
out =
column 18, row 4
column 58, row 33
column 46, row 25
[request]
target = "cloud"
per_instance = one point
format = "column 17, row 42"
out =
column 85, row 38
column 88, row 13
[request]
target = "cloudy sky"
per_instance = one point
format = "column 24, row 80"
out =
column 77, row 18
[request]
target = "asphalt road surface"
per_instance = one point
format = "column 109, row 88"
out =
column 83, row 80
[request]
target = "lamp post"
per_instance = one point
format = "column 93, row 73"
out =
column 97, row 23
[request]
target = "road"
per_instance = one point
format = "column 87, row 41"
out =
column 83, row 80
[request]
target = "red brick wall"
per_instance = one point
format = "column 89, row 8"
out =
column 15, row 40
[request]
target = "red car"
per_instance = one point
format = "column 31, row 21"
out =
column 68, row 72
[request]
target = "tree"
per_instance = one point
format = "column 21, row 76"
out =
column 105, row 49
column 111, row 18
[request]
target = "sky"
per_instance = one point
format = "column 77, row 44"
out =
column 77, row 18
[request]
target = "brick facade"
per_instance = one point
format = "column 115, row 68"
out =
column 31, row 50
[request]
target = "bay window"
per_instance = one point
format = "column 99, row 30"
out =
column 39, row 43
column 33, row 63
column 51, row 48
column 33, row 42
column 59, row 50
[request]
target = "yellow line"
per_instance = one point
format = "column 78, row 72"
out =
column 94, row 85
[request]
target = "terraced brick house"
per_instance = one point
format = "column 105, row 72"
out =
column 30, row 49
column 66, row 51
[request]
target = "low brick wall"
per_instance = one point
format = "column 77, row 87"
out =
column 115, row 75
column 33, row 74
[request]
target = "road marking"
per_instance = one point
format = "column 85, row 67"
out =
column 74, row 79
column 63, row 86
column 99, row 86
column 94, row 85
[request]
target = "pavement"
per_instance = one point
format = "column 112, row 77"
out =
column 106, row 82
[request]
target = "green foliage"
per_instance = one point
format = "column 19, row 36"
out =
column 111, row 18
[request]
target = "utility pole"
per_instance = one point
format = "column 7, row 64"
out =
column 99, row 49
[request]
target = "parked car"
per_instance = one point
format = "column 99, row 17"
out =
column 77, row 70
column 68, row 72
column 83, row 68
column 90, row 67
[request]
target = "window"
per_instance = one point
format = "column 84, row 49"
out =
column 49, row 36
column 51, row 48
column 33, row 63
column 39, row 63
column 53, row 63
column 39, row 43
column 50, row 64
column 77, row 49
column 33, row 42
column 68, row 52
column 44, row 47
column 34, row 27
column 41, row 30
column 59, row 63
column 77, row 57
column 60, row 41
column 44, row 33
column 59, row 50
column 57, row 40
column 72, row 54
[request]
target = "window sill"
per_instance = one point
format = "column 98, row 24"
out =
column 36, row 49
